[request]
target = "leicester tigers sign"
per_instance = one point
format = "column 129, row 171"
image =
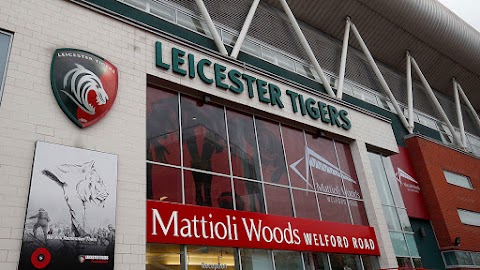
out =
column 84, row 84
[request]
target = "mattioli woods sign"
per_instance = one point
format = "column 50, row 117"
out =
column 240, row 83
column 196, row 225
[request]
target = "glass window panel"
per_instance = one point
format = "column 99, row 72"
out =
column 163, row 141
column 323, row 165
column 5, row 40
column 192, row 23
column 294, row 143
column 278, row 200
column 458, row 180
column 404, row 221
column 463, row 258
column 450, row 258
column 253, row 259
column 229, row 38
column 427, row 121
column 417, row 262
column 251, row 48
column 393, row 182
column 243, row 146
column 349, row 175
column 285, row 62
column 370, row 262
column 469, row 217
column 269, row 55
column 287, row 260
column 304, row 70
column 399, row 244
column 305, row 204
column 141, row 4
column 412, row 246
column 404, row 262
column 160, row 257
column 162, row 11
column 208, row 190
column 204, row 136
column 345, row 262
column 476, row 258
column 315, row 261
column 381, row 179
column 204, row 257
column 391, row 217
column 250, row 196
column 164, row 183
column 333, row 209
column 271, row 152
column 359, row 214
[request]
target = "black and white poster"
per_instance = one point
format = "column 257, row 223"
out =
column 70, row 219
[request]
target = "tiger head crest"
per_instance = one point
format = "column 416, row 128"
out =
column 84, row 84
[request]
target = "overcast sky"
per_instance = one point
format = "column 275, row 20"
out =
column 468, row 10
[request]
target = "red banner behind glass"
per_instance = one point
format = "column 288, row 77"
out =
column 408, row 183
column 196, row 225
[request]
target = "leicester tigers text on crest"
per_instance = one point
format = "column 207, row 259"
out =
column 84, row 84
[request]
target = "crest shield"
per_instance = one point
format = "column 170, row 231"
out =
column 84, row 84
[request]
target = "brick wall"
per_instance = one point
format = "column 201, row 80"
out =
column 30, row 113
column 430, row 159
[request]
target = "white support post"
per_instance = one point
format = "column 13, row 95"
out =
column 459, row 113
column 307, row 48
column 343, row 59
column 410, row 92
column 245, row 27
column 469, row 105
column 380, row 77
column 435, row 102
column 213, row 30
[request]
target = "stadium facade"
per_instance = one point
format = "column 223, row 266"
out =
column 333, row 134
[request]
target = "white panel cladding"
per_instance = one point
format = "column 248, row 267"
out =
column 29, row 112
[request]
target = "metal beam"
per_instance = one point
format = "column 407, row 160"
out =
column 459, row 113
column 307, row 48
column 411, row 122
column 380, row 77
column 435, row 102
column 213, row 30
column 469, row 105
column 343, row 59
column 245, row 27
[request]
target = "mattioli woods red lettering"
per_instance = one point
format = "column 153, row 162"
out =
column 173, row 223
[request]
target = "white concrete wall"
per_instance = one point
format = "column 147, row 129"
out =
column 29, row 112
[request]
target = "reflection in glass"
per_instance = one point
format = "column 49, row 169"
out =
column 381, row 179
column 163, row 143
column 251, row 196
column 315, row 261
column 208, row 190
column 160, row 257
column 370, row 262
column 287, row 260
column 345, row 262
column 333, row 209
column 243, row 146
column 278, row 201
column 294, row 143
column 404, row 262
column 203, row 257
column 350, row 180
column 305, row 204
column 253, row 259
column 391, row 218
column 404, row 221
column 399, row 244
column 204, row 136
column 323, row 165
column 359, row 214
column 271, row 152
column 165, row 182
